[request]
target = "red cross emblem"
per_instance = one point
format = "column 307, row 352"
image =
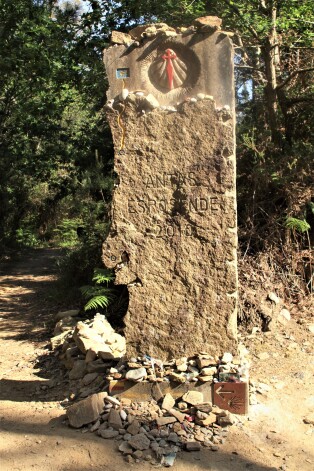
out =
column 169, row 56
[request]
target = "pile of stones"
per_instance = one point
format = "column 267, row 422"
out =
column 201, row 368
column 206, row 24
column 155, row 429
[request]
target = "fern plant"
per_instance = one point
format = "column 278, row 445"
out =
column 299, row 225
column 100, row 295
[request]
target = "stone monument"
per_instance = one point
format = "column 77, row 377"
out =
column 173, row 237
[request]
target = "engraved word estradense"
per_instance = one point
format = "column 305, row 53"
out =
column 192, row 204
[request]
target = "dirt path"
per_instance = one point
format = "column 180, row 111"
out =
column 32, row 386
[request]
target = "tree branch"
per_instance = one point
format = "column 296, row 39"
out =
column 293, row 74
column 297, row 100
column 239, row 14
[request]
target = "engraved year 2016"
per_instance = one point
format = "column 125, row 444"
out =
column 172, row 230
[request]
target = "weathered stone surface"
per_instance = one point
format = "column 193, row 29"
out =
column 121, row 38
column 193, row 397
column 100, row 338
column 114, row 419
column 165, row 421
column 108, row 433
column 139, row 442
column 173, row 233
column 136, row 374
column 78, row 370
column 168, row 402
column 192, row 446
column 58, row 340
column 178, row 415
column 126, row 448
column 62, row 314
column 212, row 22
column 87, row 410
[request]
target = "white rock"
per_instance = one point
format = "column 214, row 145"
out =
column 273, row 297
column 193, row 100
column 136, row 374
column 123, row 415
column 124, row 94
column 284, row 316
column 227, row 358
column 151, row 101
column 193, row 397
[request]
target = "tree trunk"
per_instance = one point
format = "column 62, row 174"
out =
column 271, row 58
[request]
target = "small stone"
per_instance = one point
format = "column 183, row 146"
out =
column 203, row 362
column 182, row 405
column 173, row 437
column 178, row 415
column 151, row 101
column 200, row 96
column 165, row 421
column 211, row 21
column 226, row 420
column 95, row 427
column 205, row 379
column 87, row 410
column 138, row 454
column 178, row 378
column 89, row 378
column 273, row 297
column 284, row 316
column 209, row 371
column 227, row 358
column 193, row 397
column 121, row 38
column 214, row 448
column 78, row 370
column 193, row 100
column 139, row 442
column 168, row 402
column 108, row 433
column 127, row 437
column 129, row 459
column 192, row 446
column 123, row 415
column 136, row 374
column 125, row 448
column 112, row 400
column 124, row 94
column 134, row 427
column 114, row 419
column 253, row 400
column 62, row 314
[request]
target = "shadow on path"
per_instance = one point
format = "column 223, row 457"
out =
column 25, row 305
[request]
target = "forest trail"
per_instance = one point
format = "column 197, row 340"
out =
column 32, row 385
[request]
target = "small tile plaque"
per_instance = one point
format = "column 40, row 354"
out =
column 231, row 396
column 123, row 73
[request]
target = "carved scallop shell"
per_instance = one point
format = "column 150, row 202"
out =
column 168, row 71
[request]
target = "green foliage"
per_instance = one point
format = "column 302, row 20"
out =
column 299, row 225
column 26, row 238
column 65, row 234
column 99, row 296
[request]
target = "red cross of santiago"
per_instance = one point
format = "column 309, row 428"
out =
column 169, row 56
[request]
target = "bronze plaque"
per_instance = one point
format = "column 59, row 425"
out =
column 231, row 396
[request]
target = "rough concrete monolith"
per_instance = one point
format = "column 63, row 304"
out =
column 173, row 236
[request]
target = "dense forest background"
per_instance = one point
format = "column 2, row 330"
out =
column 56, row 151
